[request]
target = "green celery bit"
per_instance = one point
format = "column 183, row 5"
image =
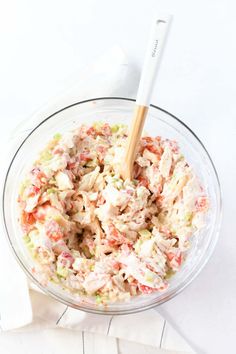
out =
column 145, row 233
column 98, row 299
column 169, row 274
column 137, row 245
column 61, row 271
column 57, row 136
column 115, row 128
column 51, row 190
column 91, row 267
column 149, row 278
column 26, row 239
column 118, row 183
column 45, row 155
column 188, row 217
column 28, row 242
column 98, row 125
column 86, row 251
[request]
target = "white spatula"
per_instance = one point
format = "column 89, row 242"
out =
column 149, row 71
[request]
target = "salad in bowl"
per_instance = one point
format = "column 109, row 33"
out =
column 95, row 241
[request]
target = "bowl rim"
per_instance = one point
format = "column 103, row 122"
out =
column 137, row 309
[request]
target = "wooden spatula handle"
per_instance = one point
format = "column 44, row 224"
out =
column 133, row 139
column 152, row 59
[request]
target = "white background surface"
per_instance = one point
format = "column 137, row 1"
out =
column 44, row 43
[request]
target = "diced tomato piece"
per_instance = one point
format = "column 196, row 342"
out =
column 146, row 289
column 27, row 218
column 91, row 131
column 71, row 165
column 177, row 258
column 152, row 145
column 155, row 149
column 170, row 256
column 38, row 177
column 106, row 130
column 147, row 139
column 111, row 242
column 84, row 157
column 27, row 221
column 66, row 259
column 143, row 181
column 202, row 203
column 117, row 237
column 113, row 231
column 41, row 211
column 53, row 230
column 32, row 191
column 116, row 265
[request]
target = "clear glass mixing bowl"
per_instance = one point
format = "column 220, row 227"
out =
column 114, row 110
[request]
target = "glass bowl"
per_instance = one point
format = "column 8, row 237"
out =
column 114, row 110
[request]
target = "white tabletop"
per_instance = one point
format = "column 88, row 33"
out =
column 44, row 43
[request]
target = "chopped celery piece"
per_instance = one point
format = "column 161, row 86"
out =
column 28, row 242
column 169, row 274
column 149, row 278
column 54, row 280
column 138, row 245
column 86, row 251
column 98, row 299
column 115, row 128
column 117, row 182
column 26, row 239
column 57, row 218
column 145, row 233
column 188, row 217
column 57, row 136
column 61, row 271
column 51, row 190
column 45, row 155
column 98, row 125
column 91, row 267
